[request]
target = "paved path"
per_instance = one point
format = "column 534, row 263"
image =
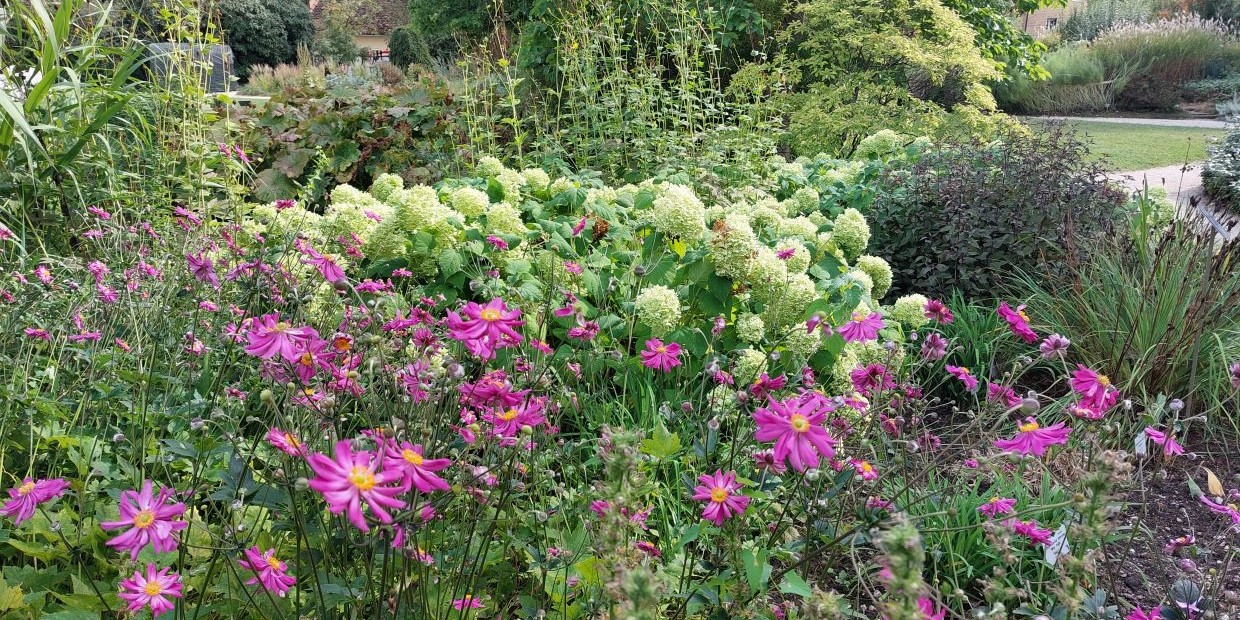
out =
column 1158, row 122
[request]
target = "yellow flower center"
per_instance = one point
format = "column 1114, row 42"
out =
column 153, row 588
column 362, row 478
column 511, row 414
column 661, row 349
column 995, row 500
column 1029, row 427
column 719, row 495
column 341, row 344
column 1104, row 380
column 1023, row 316
column 306, row 359
column 489, row 315
column 25, row 489
column 274, row 563
column 866, row 467
column 143, row 519
column 292, row 441
column 857, row 317
column 412, row 457
column 799, row 423
column 280, row 327
column 964, row 370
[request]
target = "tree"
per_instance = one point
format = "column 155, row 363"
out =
column 265, row 32
column 998, row 37
column 408, row 47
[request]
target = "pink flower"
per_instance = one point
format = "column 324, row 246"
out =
column 579, row 226
column 764, row 385
column 938, row 311
column 37, row 333
column 153, row 590
column 469, row 602
column 326, row 266
column 1169, row 444
column 508, row 422
column 1095, row 389
column 934, row 347
column 862, row 328
column 1054, row 347
column 351, row 478
column 786, row 253
column 997, row 506
column 269, row 336
column 99, row 213
column 201, row 267
column 285, row 442
column 1231, row 510
column 871, row 379
column 1018, row 322
column 1234, row 371
column 1001, row 393
column 648, row 548
column 285, row 203
column 1179, row 542
column 795, row 425
column 490, row 327
column 864, row 469
column 269, row 570
column 150, row 518
column 1033, row 439
column 497, row 242
column 572, row 267
column 1138, row 614
column 25, row 498
column 962, row 373
column 418, row 470
column 764, row 460
column 664, row 357
column 719, row 493
column 43, row 274
column 927, row 608
column 1030, row 529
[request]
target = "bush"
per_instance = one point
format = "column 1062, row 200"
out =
column 407, row 47
column 1168, row 52
column 1085, row 24
column 1079, row 82
column 967, row 213
column 1220, row 177
column 1212, row 89
column 265, row 32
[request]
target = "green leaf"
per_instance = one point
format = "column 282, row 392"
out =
column 10, row 596
column 757, row 569
column 663, row 444
column 792, row 583
column 449, row 262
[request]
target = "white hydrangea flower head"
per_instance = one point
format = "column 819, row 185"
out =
column 677, row 212
column 733, row 247
column 767, row 275
column 851, row 233
column 910, row 311
column 469, row 201
column 802, row 345
column 511, row 182
column 856, row 277
column 384, row 185
column 799, row 261
column 537, row 179
column 802, row 227
column 658, row 308
column 750, row 364
column 489, row 167
column 881, row 144
column 804, row 200
column 325, row 308
column 766, row 214
column 386, row 241
column 342, row 219
column 722, row 400
column 788, row 307
column 503, row 218
column 561, row 184
column 750, row 328
column 880, row 274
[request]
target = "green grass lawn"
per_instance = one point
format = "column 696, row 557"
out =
column 1128, row 147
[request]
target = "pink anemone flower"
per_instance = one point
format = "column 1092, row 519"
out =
column 996, row 506
column 1170, row 446
column 351, row 478
column 150, row 519
column 719, row 491
column 1031, row 438
column 24, row 498
column 662, row 356
column 486, row 328
column 862, row 328
column 269, row 336
column 1018, row 322
column 962, row 373
column 1095, row 388
column 269, row 571
column 154, row 589
column 795, row 425
column 419, row 470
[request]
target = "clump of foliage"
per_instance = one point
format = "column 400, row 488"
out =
column 908, row 65
column 966, row 213
column 308, row 139
column 1220, row 176
column 1169, row 52
column 265, row 32
column 408, row 47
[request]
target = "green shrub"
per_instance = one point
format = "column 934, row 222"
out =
column 408, row 47
column 1079, row 82
column 1220, row 176
column 1085, row 24
column 967, row 213
column 1168, row 52
column 1212, row 89
column 265, row 32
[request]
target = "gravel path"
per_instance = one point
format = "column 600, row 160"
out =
column 1158, row 122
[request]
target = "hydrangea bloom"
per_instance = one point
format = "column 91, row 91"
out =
column 27, row 496
column 1018, row 322
column 1170, row 446
column 1095, row 389
column 269, row 336
column 880, row 274
column 658, row 308
column 154, row 589
column 733, row 246
column 662, row 356
column 996, row 506
column 909, row 310
column 1033, row 439
column 795, row 425
column 851, row 233
column 862, row 327
column 719, row 491
column 269, row 570
column 419, row 471
column 150, row 518
column 351, row 478
column 488, row 328
column 965, row 375
column 678, row 212
column 750, row 328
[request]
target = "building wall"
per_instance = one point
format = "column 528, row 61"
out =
column 371, row 41
column 1042, row 20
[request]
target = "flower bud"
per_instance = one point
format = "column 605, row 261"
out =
column 1029, row 405
column 1175, row 404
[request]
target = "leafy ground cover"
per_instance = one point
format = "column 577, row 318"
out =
column 1125, row 147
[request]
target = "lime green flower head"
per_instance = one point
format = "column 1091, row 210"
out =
column 851, row 233
column 910, row 311
column 879, row 272
column 678, row 213
column 384, row 185
column 658, row 308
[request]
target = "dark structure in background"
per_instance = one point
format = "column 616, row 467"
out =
column 212, row 65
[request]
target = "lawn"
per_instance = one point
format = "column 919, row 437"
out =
column 1128, row 147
